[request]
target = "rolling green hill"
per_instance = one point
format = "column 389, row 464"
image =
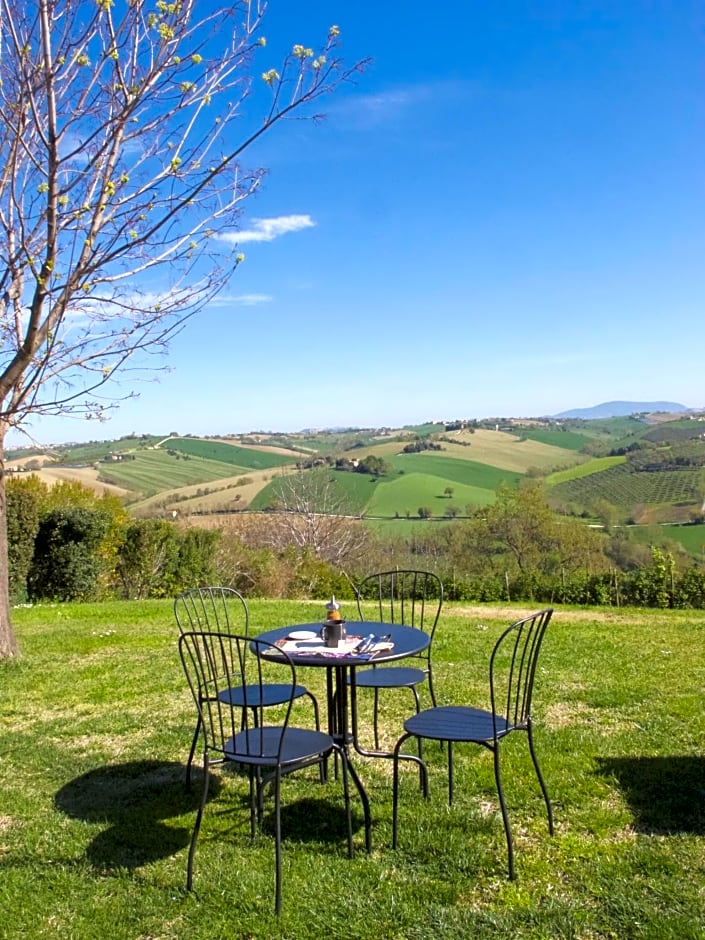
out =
column 406, row 494
column 454, row 470
column 626, row 462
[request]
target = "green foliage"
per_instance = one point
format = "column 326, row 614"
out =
column 25, row 497
column 421, row 444
column 66, row 565
column 373, row 465
column 157, row 559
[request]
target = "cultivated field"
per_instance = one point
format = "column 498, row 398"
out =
column 167, row 474
column 86, row 476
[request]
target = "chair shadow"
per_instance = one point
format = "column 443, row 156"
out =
column 133, row 798
column 666, row 794
column 312, row 820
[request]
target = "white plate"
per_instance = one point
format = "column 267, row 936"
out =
column 302, row 635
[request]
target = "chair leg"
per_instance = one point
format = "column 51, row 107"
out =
column 376, row 714
column 450, row 773
column 423, row 771
column 192, row 752
column 542, row 783
column 316, row 715
column 197, row 824
column 254, row 801
column 323, row 767
column 417, row 702
column 505, row 815
column 278, row 842
column 431, row 690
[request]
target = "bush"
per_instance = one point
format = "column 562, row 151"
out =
column 66, row 565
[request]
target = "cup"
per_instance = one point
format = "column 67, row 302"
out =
column 333, row 631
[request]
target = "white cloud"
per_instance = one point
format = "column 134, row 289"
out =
column 251, row 300
column 266, row 230
column 240, row 300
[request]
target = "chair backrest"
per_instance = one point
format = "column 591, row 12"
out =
column 513, row 670
column 407, row 597
column 214, row 663
column 218, row 609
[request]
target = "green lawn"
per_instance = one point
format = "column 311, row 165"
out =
column 95, row 724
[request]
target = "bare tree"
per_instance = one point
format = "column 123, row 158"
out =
column 312, row 515
column 120, row 187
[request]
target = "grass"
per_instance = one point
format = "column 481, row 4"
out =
column 413, row 490
column 691, row 537
column 94, row 818
column 557, row 437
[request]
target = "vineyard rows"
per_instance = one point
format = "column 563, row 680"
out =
column 623, row 487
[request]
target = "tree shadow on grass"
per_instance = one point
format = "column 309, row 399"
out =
column 133, row 798
column 665, row 794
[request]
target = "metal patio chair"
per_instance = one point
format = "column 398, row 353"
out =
column 224, row 610
column 214, row 664
column 512, row 673
column 409, row 598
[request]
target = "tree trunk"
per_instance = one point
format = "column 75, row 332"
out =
column 8, row 643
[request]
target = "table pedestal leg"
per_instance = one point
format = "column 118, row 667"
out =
column 338, row 728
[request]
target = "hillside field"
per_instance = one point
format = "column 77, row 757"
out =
column 154, row 471
column 650, row 471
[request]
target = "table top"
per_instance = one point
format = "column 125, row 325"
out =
column 408, row 641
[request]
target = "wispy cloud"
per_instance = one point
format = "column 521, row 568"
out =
column 369, row 111
column 266, row 230
column 240, row 300
column 251, row 300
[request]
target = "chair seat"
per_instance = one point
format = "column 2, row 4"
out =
column 271, row 693
column 261, row 746
column 390, row 677
column 456, row 723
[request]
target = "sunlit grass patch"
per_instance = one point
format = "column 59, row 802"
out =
column 95, row 726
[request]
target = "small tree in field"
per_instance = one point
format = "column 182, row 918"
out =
column 122, row 128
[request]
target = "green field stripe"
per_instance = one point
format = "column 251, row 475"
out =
column 454, row 470
column 568, row 440
column 229, row 453
column 597, row 465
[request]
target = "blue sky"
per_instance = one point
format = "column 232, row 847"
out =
column 504, row 217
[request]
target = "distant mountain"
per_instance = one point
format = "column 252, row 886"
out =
column 620, row 409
